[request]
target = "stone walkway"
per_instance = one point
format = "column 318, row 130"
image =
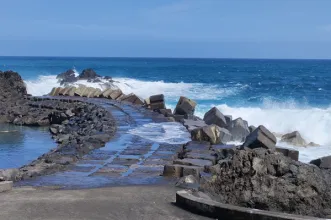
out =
column 127, row 159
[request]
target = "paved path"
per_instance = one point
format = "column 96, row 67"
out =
column 126, row 160
column 118, row 203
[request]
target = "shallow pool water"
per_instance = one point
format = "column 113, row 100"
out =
column 20, row 145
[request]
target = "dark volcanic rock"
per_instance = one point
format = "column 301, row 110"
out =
column 78, row 127
column 251, row 128
column 57, row 117
column 214, row 116
column 88, row 74
column 210, row 133
column 259, row 178
column 239, row 129
column 291, row 153
column 185, row 107
column 260, row 137
column 67, row 77
column 323, row 162
column 294, row 138
column 11, row 85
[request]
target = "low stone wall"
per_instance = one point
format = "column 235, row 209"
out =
column 204, row 206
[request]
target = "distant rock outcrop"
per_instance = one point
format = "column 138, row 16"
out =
column 88, row 74
column 67, row 77
column 11, row 85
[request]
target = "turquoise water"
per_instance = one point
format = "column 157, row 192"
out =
column 22, row 145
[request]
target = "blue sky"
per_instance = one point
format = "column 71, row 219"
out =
column 181, row 28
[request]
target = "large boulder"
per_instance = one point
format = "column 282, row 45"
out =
column 88, row 74
column 156, row 102
column 185, row 107
column 11, row 85
column 239, row 129
column 291, row 153
column 55, row 91
column 115, row 94
column 260, row 137
column 262, row 179
column 225, row 136
column 193, row 124
column 251, row 128
column 80, row 90
column 106, row 93
column 133, row 98
column 228, row 119
column 88, row 91
column 67, row 77
column 323, row 162
column 57, row 117
column 294, row 138
column 214, row 116
column 212, row 134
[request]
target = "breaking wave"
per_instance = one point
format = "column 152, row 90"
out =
column 199, row 91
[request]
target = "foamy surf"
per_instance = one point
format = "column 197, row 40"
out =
column 307, row 154
column 167, row 132
column 172, row 91
column 198, row 91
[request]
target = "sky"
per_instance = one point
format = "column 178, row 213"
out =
column 167, row 28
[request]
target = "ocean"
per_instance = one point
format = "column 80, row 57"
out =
column 283, row 95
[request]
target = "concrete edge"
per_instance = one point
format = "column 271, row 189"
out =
column 6, row 186
column 213, row 209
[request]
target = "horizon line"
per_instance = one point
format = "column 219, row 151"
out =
column 161, row 57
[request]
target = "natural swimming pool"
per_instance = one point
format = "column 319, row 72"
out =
column 20, row 145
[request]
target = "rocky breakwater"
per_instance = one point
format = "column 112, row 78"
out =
column 77, row 127
column 254, row 175
column 69, row 77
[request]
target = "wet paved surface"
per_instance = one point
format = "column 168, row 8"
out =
column 127, row 159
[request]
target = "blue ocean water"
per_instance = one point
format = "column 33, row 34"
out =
column 22, row 145
column 284, row 95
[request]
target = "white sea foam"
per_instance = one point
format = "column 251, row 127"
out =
column 199, row 91
column 172, row 91
column 312, row 123
column 167, row 132
column 307, row 154
column 44, row 84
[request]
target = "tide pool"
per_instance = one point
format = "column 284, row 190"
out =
column 20, row 145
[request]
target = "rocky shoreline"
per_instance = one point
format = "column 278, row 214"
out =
column 77, row 127
column 256, row 174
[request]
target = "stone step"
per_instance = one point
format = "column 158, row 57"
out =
column 197, row 146
column 194, row 162
column 177, row 170
column 207, row 156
